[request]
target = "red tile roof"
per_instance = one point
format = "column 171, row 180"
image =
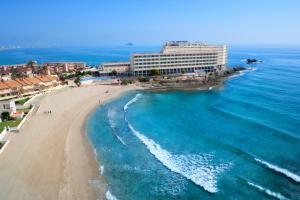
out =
column 3, row 86
column 12, row 84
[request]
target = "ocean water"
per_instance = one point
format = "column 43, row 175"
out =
column 90, row 55
column 240, row 141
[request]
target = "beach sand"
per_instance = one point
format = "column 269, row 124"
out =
column 51, row 158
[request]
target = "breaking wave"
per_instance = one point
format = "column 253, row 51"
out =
column 111, row 114
column 198, row 168
column 283, row 171
column 267, row 191
column 109, row 196
column 241, row 73
column 101, row 169
column 137, row 97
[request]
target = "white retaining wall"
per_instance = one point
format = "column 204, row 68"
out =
column 3, row 135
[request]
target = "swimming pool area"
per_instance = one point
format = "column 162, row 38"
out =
column 100, row 78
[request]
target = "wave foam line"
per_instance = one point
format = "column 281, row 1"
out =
column 283, row 171
column 101, row 169
column 267, row 191
column 121, row 140
column 197, row 168
column 110, row 114
column 137, row 97
column 109, row 196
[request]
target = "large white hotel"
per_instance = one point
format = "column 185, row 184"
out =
column 178, row 57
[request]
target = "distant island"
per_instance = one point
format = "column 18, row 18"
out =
column 129, row 44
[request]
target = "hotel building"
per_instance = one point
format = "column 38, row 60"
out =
column 181, row 57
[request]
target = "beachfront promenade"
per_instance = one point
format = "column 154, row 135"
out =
column 50, row 158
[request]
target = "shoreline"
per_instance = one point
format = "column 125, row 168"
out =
column 73, row 171
column 52, row 157
column 215, row 83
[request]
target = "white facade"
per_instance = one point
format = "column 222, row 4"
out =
column 8, row 106
column 181, row 57
column 119, row 67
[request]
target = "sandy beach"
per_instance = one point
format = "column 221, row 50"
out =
column 51, row 158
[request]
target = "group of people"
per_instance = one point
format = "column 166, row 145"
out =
column 47, row 112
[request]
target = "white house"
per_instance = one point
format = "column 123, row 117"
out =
column 8, row 106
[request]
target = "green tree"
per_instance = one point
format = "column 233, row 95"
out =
column 5, row 116
column 15, row 73
column 32, row 65
column 154, row 72
column 77, row 81
column 114, row 72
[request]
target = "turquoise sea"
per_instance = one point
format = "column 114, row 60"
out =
column 240, row 141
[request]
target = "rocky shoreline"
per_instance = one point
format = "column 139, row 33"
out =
column 202, row 83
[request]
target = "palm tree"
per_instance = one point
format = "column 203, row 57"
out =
column 31, row 65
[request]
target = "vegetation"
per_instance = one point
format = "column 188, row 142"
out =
column 143, row 79
column 22, row 101
column 154, row 72
column 126, row 82
column 25, row 110
column 64, row 77
column 5, row 116
column 114, row 72
column 30, row 64
column 67, row 76
column 15, row 73
column 12, row 123
column 79, row 73
column 77, row 81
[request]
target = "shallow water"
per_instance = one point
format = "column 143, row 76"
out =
column 240, row 141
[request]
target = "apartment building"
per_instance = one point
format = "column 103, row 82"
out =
column 54, row 68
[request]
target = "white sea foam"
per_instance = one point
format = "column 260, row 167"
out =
column 251, row 69
column 121, row 139
column 174, row 185
column 109, row 196
column 137, row 97
column 240, row 73
column 267, row 191
column 283, row 171
column 101, row 170
column 197, row 168
column 111, row 115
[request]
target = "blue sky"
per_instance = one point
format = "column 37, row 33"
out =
column 105, row 22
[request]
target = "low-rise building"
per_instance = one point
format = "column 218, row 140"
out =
column 47, row 81
column 7, row 71
column 4, row 89
column 16, row 87
column 119, row 67
column 8, row 106
column 55, row 68
column 27, row 85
